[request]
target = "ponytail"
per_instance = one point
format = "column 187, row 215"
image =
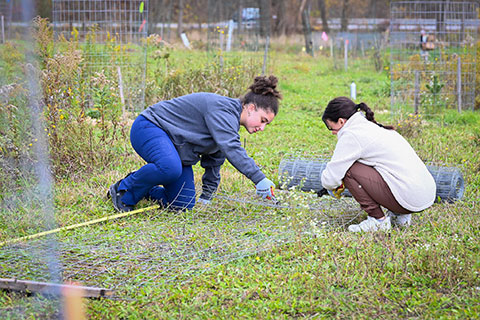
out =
column 370, row 115
column 343, row 107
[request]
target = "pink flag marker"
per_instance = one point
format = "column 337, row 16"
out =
column 142, row 25
column 324, row 36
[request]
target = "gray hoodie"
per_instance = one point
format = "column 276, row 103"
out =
column 204, row 127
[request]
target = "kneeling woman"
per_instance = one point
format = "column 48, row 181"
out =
column 377, row 165
column 173, row 135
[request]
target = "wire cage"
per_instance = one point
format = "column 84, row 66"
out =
column 112, row 35
column 433, row 56
column 306, row 174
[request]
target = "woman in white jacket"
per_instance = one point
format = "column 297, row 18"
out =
column 377, row 165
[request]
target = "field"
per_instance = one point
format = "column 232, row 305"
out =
column 238, row 259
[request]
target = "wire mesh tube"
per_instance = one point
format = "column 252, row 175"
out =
column 306, row 174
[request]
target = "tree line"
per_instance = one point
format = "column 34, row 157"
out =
column 277, row 17
column 280, row 17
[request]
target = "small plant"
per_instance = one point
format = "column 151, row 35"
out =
column 431, row 101
column 411, row 126
column 43, row 34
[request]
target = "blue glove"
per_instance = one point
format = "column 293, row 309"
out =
column 203, row 201
column 265, row 189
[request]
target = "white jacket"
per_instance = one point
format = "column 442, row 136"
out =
column 390, row 154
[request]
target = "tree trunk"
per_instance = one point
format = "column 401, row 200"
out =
column 281, row 12
column 307, row 29
column 344, row 18
column 265, row 16
column 323, row 15
column 238, row 14
column 169, row 18
column 180, row 17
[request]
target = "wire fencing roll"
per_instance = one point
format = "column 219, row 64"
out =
column 306, row 173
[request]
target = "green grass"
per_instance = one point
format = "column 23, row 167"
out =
column 428, row 271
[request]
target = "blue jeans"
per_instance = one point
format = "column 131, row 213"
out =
column 163, row 179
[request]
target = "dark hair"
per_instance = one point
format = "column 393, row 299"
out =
column 343, row 107
column 263, row 94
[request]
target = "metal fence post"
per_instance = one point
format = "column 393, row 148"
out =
column 459, row 83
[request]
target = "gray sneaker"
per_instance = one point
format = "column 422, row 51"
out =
column 116, row 196
column 400, row 220
column 371, row 225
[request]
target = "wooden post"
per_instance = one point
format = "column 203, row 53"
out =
column 52, row 288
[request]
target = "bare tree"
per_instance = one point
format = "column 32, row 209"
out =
column 280, row 9
column 180, row 17
column 265, row 17
column 323, row 15
column 307, row 29
column 344, row 18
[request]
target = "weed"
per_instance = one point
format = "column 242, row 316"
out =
column 410, row 127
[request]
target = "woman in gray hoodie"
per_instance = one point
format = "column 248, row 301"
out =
column 175, row 134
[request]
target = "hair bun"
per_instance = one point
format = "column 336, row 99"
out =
column 264, row 86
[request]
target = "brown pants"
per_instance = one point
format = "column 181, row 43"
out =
column 370, row 190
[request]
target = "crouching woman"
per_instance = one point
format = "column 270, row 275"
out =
column 377, row 165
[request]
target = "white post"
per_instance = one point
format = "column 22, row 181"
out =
column 186, row 43
column 353, row 91
column 120, row 88
column 231, row 25
column 3, row 30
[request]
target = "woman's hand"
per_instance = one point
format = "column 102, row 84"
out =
column 265, row 189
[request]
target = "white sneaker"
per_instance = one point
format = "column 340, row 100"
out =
column 371, row 224
column 400, row 220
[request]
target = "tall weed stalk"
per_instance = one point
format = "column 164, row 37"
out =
column 82, row 109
